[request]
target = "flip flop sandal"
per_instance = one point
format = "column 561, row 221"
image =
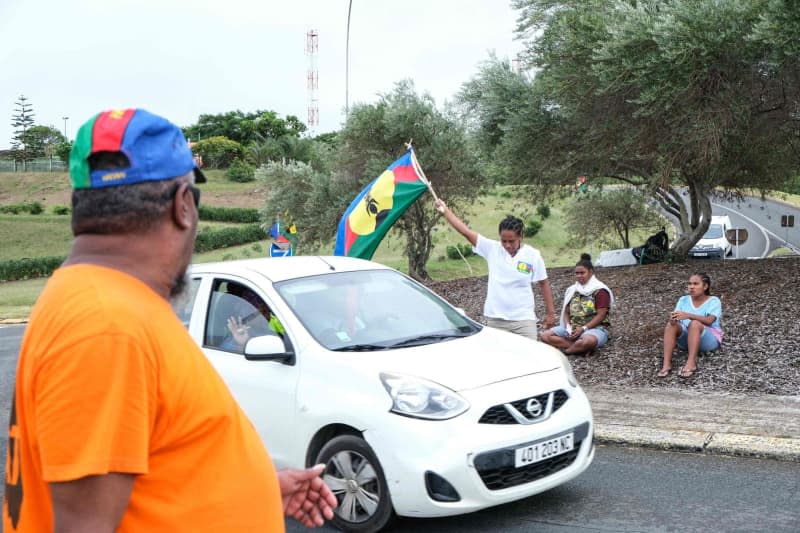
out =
column 663, row 373
column 687, row 373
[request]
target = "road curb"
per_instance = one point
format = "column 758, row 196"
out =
column 779, row 448
column 13, row 320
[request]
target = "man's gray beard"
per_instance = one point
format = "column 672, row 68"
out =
column 179, row 290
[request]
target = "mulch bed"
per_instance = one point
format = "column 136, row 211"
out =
column 760, row 318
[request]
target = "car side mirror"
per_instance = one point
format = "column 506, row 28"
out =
column 267, row 348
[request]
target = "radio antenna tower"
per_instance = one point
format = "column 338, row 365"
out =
column 312, row 47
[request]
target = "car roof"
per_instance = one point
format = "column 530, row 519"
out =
column 282, row 268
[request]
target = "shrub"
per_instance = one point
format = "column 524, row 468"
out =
column 543, row 210
column 17, row 269
column 34, row 208
column 213, row 239
column 218, row 152
column 453, row 251
column 241, row 171
column 61, row 210
column 239, row 215
column 532, row 227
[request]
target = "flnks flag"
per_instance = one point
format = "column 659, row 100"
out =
column 377, row 207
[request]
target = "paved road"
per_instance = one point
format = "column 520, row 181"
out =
column 762, row 219
column 626, row 489
column 635, row 490
column 768, row 215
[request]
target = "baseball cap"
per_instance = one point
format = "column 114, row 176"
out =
column 154, row 146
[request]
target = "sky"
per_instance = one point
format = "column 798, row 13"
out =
column 184, row 58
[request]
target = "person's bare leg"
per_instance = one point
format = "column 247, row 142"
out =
column 548, row 337
column 584, row 344
column 671, row 334
column 693, row 341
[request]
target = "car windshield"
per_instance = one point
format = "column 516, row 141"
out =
column 714, row 232
column 372, row 310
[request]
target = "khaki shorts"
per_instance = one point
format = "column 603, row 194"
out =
column 526, row 328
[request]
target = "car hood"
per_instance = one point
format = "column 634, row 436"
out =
column 489, row 356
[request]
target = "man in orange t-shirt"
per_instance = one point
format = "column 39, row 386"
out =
column 119, row 422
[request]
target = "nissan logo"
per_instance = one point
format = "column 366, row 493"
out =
column 534, row 407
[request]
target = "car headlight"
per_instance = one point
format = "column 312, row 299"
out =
column 420, row 398
column 571, row 379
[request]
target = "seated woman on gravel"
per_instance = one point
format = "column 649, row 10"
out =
column 585, row 323
column 694, row 325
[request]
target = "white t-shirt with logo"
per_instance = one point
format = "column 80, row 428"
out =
column 510, row 294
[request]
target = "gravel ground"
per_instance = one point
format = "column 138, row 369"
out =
column 759, row 317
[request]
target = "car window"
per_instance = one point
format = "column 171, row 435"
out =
column 236, row 314
column 366, row 308
column 184, row 302
column 714, row 232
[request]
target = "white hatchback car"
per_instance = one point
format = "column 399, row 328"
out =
column 416, row 409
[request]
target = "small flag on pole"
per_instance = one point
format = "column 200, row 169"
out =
column 581, row 185
column 378, row 206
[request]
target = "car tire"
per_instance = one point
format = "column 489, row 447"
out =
column 355, row 476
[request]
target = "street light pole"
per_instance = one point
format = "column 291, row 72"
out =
column 65, row 127
column 347, row 66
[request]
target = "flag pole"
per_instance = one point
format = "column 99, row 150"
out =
column 419, row 170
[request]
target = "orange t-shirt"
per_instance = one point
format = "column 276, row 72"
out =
column 108, row 380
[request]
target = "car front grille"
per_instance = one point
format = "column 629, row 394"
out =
column 517, row 412
column 497, row 470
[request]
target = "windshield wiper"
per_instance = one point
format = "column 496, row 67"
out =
column 361, row 348
column 428, row 339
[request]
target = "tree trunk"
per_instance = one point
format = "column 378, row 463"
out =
column 693, row 220
column 419, row 242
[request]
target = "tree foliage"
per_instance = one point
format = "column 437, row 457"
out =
column 308, row 197
column 592, row 216
column 698, row 94
column 218, row 152
column 375, row 135
column 21, row 121
column 245, row 128
column 42, row 141
column 316, row 195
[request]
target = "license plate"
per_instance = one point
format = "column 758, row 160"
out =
column 701, row 254
column 540, row 451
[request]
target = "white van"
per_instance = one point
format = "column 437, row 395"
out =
column 714, row 243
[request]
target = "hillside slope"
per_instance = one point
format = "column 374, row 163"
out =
column 761, row 350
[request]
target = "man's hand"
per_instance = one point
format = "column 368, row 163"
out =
column 238, row 330
column 549, row 320
column 306, row 498
column 440, row 205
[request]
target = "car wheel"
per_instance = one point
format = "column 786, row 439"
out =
column 355, row 476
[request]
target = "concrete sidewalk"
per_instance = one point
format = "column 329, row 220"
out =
column 734, row 424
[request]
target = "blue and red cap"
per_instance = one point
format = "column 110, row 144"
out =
column 154, row 146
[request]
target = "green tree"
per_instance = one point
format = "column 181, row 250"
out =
column 245, row 128
column 592, row 216
column 317, row 194
column 687, row 95
column 218, row 152
column 21, row 121
column 374, row 137
column 41, row 141
column 307, row 195
column 62, row 150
